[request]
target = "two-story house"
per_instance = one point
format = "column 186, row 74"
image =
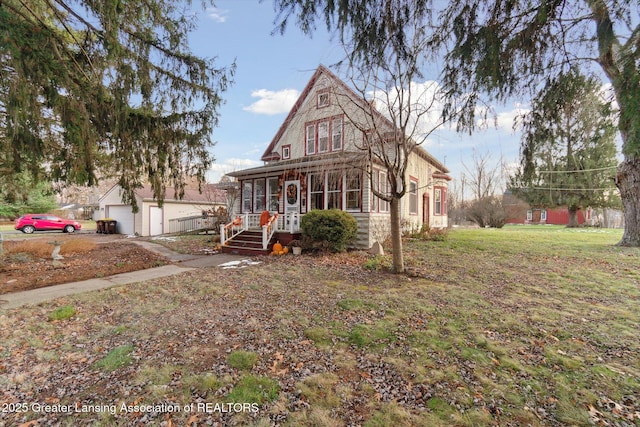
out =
column 315, row 162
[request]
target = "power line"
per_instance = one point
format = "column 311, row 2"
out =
column 564, row 189
column 581, row 170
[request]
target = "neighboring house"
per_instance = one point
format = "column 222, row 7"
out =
column 557, row 216
column 151, row 219
column 519, row 212
column 313, row 163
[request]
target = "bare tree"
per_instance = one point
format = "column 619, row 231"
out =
column 400, row 116
column 483, row 176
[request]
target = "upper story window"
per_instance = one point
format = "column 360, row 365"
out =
column 311, row 139
column 324, row 135
column 323, row 99
column 286, row 152
column 336, row 134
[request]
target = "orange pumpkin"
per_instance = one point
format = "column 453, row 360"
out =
column 285, row 250
column 277, row 247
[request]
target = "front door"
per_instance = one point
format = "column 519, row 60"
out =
column 425, row 209
column 291, row 196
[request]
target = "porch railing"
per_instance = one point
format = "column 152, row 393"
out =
column 287, row 223
column 268, row 230
column 235, row 227
column 189, row 224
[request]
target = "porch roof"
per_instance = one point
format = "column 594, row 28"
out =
column 304, row 164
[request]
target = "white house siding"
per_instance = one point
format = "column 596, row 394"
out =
column 373, row 225
column 423, row 171
column 141, row 220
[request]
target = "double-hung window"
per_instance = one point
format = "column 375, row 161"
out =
column 352, row 190
column 311, row 139
column 413, row 196
column 440, row 202
column 384, row 189
column 260, row 193
column 323, row 137
column 334, row 190
column 336, row 134
column 272, row 191
column 247, row 196
column 316, row 191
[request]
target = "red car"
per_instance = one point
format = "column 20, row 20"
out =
column 40, row 222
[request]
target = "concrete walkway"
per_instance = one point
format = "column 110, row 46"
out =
column 181, row 264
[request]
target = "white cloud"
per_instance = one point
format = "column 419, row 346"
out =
column 217, row 14
column 505, row 119
column 271, row 102
column 219, row 169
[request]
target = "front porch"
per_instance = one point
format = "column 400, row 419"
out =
column 255, row 234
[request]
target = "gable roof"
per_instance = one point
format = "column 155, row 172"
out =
column 271, row 155
column 210, row 194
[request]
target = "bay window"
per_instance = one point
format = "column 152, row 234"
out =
column 440, row 201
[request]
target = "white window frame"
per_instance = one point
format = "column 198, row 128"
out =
column 330, row 190
column 437, row 201
column 384, row 189
column 310, row 139
column 259, row 200
column 313, row 192
column 323, row 136
column 353, row 191
column 323, row 99
column 336, row 134
column 286, row 152
column 413, row 196
column 273, row 201
column 247, row 196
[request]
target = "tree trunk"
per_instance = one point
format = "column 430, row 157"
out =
column 628, row 182
column 396, row 236
column 573, row 217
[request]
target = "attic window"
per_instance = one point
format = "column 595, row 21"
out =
column 286, row 152
column 323, row 99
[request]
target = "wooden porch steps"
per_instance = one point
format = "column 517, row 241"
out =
column 248, row 242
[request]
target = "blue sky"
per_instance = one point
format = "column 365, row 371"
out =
column 271, row 72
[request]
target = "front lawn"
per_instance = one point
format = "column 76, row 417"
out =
column 519, row 326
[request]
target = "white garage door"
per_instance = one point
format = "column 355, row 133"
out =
column 124, row 216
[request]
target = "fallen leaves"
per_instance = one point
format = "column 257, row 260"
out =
column 101, row 261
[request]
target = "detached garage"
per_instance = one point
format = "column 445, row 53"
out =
column 150, row 220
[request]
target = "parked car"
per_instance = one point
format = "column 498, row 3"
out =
column 40, row 222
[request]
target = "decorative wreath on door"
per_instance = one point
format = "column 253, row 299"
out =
column 292, row 194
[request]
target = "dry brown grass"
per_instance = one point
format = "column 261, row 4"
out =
column 42, row 248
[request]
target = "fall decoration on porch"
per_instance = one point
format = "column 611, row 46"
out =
column 277, row 247
column 264, row 218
